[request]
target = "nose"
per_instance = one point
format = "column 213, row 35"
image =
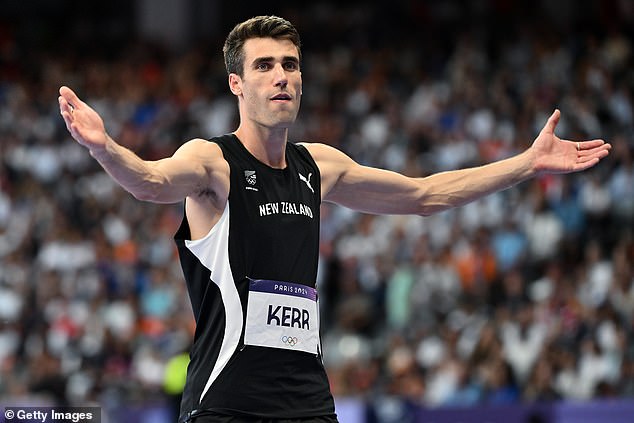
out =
column 281, row 79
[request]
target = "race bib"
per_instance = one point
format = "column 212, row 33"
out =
column 282, row 315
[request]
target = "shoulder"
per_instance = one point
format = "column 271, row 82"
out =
column 204, row 158
column 201, row 151
column 333, row 164
column 199, row 145
column 324, row 154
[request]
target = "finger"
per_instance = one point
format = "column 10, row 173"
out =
column 586, row 164
column 552, row 122
column 69, row 121
column 589, row 145
column 587, row 155
column 586, row 161
column 66, row 110
column 70, row 96
column 74, row 131
column 64, row 106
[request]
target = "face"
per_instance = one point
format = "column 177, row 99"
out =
column 269, row 91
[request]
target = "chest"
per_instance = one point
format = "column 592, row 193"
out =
column 274, row 199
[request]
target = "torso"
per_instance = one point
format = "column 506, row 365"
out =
column 267, row 228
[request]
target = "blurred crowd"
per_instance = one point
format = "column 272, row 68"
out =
column 526, row 295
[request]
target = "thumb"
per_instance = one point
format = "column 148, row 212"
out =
column 553, row 120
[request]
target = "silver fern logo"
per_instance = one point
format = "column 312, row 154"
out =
column 250, row 176
column 251, row 179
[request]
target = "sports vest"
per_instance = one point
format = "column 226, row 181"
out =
column 251, row 281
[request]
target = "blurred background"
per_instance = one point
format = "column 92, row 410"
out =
column 518, row 307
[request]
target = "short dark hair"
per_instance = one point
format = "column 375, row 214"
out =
column 256, row 27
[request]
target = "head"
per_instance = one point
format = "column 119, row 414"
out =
column 262, row 57
column 256, row 27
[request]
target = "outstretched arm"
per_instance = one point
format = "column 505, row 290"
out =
column 374, row 190
column 190, row 170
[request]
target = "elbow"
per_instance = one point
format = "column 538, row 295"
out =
column 427, row 208
column 426, row 203
column 428, row 211
column 143, row 195
column 149, row 191
column 434, row 204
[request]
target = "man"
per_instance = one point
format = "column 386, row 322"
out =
column 248, row 243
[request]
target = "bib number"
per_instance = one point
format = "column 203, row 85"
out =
column 282, row 315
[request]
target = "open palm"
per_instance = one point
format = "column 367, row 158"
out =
column 82, row 121
column 555, row 155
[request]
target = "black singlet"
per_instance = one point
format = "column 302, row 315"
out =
column 269, row 230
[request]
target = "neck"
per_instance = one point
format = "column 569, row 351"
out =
column 266, row 144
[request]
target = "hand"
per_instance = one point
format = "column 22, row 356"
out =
column 83, row 122
column 551, row 154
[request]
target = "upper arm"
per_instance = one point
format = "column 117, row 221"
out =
column 364, row 188
column 196, row 168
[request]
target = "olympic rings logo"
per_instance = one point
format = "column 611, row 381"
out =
column 289, row 340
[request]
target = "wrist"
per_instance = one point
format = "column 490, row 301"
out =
column 532, row 167
column 521, row 167
column 100, row 151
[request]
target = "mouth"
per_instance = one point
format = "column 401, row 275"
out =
column 281, row 97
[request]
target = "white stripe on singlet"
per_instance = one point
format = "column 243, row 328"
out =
column 213, row 253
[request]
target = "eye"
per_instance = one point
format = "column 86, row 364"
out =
column 291, row 66
column 262, row 66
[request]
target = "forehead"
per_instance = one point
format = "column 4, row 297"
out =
column 268, row 47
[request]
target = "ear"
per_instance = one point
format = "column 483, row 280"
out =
column 235, row 84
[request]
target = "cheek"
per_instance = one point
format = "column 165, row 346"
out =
column 298, row 84
column 250, row 97
column 254, row 104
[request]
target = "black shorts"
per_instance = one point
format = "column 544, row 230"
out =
column 221, row 418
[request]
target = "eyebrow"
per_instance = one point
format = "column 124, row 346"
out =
column 267, row 59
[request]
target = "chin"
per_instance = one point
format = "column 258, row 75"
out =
column 285, row 122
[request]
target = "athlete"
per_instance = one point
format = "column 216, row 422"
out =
column 248, row 242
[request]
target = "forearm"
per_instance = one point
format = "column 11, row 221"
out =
column 128, row 170
column 450, row 189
